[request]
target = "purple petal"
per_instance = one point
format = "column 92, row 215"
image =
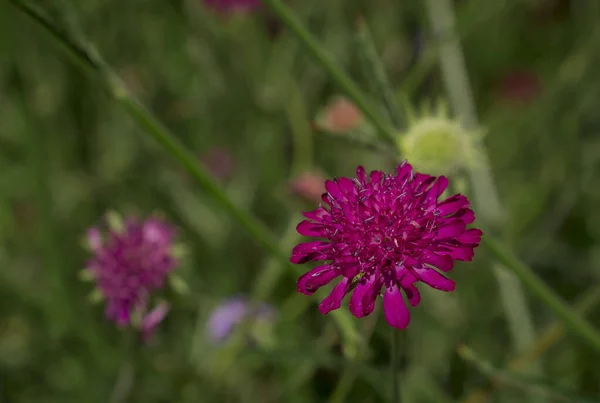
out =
column 151, row 320
column 403, row 172
column 452, row 205
column 451, row 229
column 319, row 215
column 347, row 186
column 364, row 288
column 334, row 190
column 433, row 278
column 438, row 187
column 310, row 228
column 464, row 253
column 368, row 302
column 361, row 175
column 470, row 236
column 395, row 310
column 376, row 176
column 310, row 282
column 442, row 262
column 406, row 282
column 307, row 251
column 467, row 215
column 334, row 300
column 223, row 319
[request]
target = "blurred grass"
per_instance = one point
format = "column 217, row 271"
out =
column 230, row 83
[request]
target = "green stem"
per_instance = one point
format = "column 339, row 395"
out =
column 90, row 58
column 571, row 319
column 441, row 15
column 335, row 72
column 376, row 75
column 395, row 364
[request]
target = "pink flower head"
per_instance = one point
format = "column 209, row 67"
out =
column 387, row 231
column 233, row 5
column 129, row 264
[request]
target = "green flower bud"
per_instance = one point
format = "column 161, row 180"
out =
column 437, row 145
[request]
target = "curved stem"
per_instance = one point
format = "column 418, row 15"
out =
column 571, row 318
column 456, row 80
column 335, row 72
column 395, row 364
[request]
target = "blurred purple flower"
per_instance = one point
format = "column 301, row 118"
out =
column 229, row 6
column 233, row 311
column 389, row 231
column 131, row 261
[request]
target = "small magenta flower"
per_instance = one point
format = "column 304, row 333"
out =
column 131, row 261
column 231, row 313
column 229, row 6
column 385, row 231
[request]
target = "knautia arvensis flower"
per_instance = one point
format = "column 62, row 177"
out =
column 385, row 231
column 131, row 261
column 438, row 144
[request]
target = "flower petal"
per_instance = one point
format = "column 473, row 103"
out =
column 465, row 214
column 452, row 204
column 451, row 229
column 434, row 279
column 464, row 253
column 368, row 302
column 334, row 190
column 404, row 172
column 470, row 236
column 152, row 319
column 334, row 300
column 319, row 215
column 395, row 310
column 346, row 185
column 361, row 175
column 311, row 281
column 437, row 188
column 363, row 288
column 310, row 228
column 442, row 262
column 305, row 252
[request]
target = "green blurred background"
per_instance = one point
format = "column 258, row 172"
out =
column 242, row 85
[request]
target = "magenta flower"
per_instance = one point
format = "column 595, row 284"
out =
column 233, row 5
column 387, row 231
column 130, row 262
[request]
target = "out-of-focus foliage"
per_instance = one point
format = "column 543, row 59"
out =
column 242, row 84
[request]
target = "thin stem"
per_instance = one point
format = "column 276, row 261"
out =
column 376, row 75
column 395, row 364
column 571, row 318
column 335, row 72
column 441, row 14
column 549, row 338
column 126, row 378
column 90, row 58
